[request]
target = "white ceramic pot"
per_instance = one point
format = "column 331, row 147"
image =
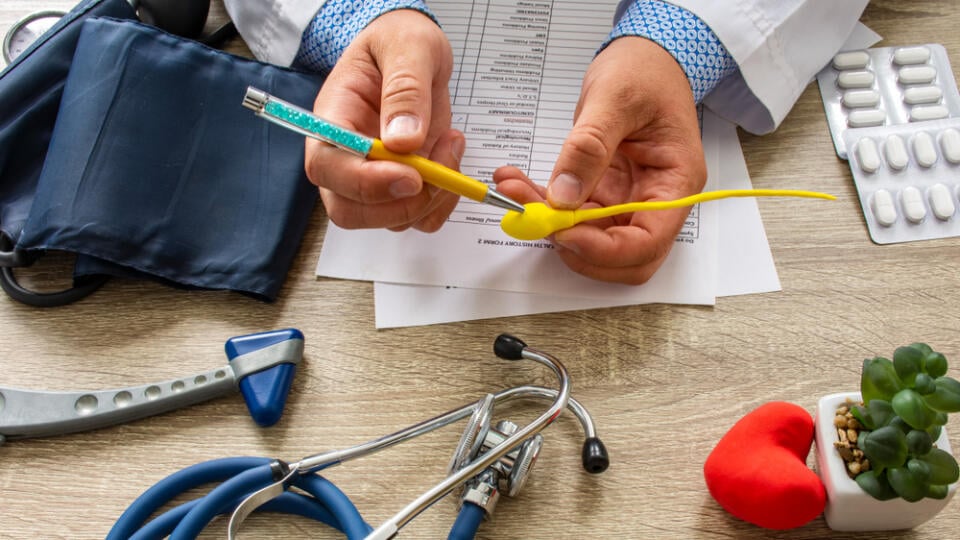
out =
column 849, row 508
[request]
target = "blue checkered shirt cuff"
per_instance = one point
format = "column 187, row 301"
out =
column 336, row 25
column 681, row 33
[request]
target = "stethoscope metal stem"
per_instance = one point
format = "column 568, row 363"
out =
column 322, row 461
column 390, row 527
column 540, row 392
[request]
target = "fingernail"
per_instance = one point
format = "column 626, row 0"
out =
column 565, row 189
column 458, row 147
column 403, row 125
column 403, row 188
column 573, row 247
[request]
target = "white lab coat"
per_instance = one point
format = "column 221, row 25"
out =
column 272, row 28
column 778, row 44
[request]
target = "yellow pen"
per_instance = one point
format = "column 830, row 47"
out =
column 306, row 123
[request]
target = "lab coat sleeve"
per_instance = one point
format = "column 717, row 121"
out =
column 779, row 46
column 272, row 28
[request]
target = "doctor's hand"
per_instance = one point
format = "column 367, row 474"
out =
column 636, row 137
column 391, row 83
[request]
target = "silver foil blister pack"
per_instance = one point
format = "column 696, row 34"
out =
column 908, row 179
column 894, row 114
column 887, row 86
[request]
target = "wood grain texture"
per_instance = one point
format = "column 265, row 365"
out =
column 663, row 382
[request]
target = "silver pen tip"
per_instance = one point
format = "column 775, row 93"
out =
column 495, row 198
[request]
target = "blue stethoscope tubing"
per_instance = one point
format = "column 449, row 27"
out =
column 240, row 476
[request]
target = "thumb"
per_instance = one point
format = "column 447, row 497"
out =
column 411, row 72
column 588, row 150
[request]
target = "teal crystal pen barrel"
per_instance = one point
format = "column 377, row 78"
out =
column 304, row 122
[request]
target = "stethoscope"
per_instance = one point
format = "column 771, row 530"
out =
column 489, row 460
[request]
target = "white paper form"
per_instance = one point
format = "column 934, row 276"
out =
column 519, row 67
column 745, row 264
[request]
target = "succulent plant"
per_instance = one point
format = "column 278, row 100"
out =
column 905, row 406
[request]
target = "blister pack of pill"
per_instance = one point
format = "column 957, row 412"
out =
column 887, row 86
column 908, row 179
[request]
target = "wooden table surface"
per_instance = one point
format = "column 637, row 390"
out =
column 663, row 382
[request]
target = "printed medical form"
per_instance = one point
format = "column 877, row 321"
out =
column 518, row 69
column 520, row 65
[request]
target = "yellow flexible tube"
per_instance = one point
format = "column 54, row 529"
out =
column 540, row 221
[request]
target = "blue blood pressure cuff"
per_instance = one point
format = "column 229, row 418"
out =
column 30, row 91
column 154, row 169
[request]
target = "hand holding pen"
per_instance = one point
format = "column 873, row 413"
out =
column 392, row 83
column 304, row 122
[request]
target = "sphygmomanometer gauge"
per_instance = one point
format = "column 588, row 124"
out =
column 25, row 31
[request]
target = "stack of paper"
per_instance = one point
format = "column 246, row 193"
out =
column 519, row 68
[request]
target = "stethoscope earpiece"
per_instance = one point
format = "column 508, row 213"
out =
column 508, row 347
column 185, row 18
column 594, row 457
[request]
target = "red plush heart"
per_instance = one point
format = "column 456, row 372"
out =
column 758, row 470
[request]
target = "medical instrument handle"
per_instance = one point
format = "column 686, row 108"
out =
column 510, row 348
column 30, row 413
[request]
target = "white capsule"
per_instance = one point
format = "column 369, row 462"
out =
column 922, row 113
column 851, row 60
column 917, row 75
column 883, row 208
column 924, row 149
column 895, row 151
column 866, row 117
column 911, row 55
column 867, row 155
column 922, row 94
column 950, row 144
column 855, row 79
column 913, row 207
column 941, row 201
column 861, row 98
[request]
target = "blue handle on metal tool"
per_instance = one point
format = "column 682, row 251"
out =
column 265, row 391
column 262, row 365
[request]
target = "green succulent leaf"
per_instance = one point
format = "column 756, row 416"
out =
column 920, row 469
column 943, row 467
column 877, row 413
column 922, row 347
column 879, row 380
column 935, row 365
column 908, row 362
column 946, row 398
column 924, row 384
column 908, row 485
column 934, row 432
column 862, row 416
column 910, row 406
column 876, row 485
column 885, row 447
column 919, row 442
column 900, row 424
column 937, row 491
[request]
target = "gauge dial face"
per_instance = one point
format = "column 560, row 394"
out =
column 22, row 34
